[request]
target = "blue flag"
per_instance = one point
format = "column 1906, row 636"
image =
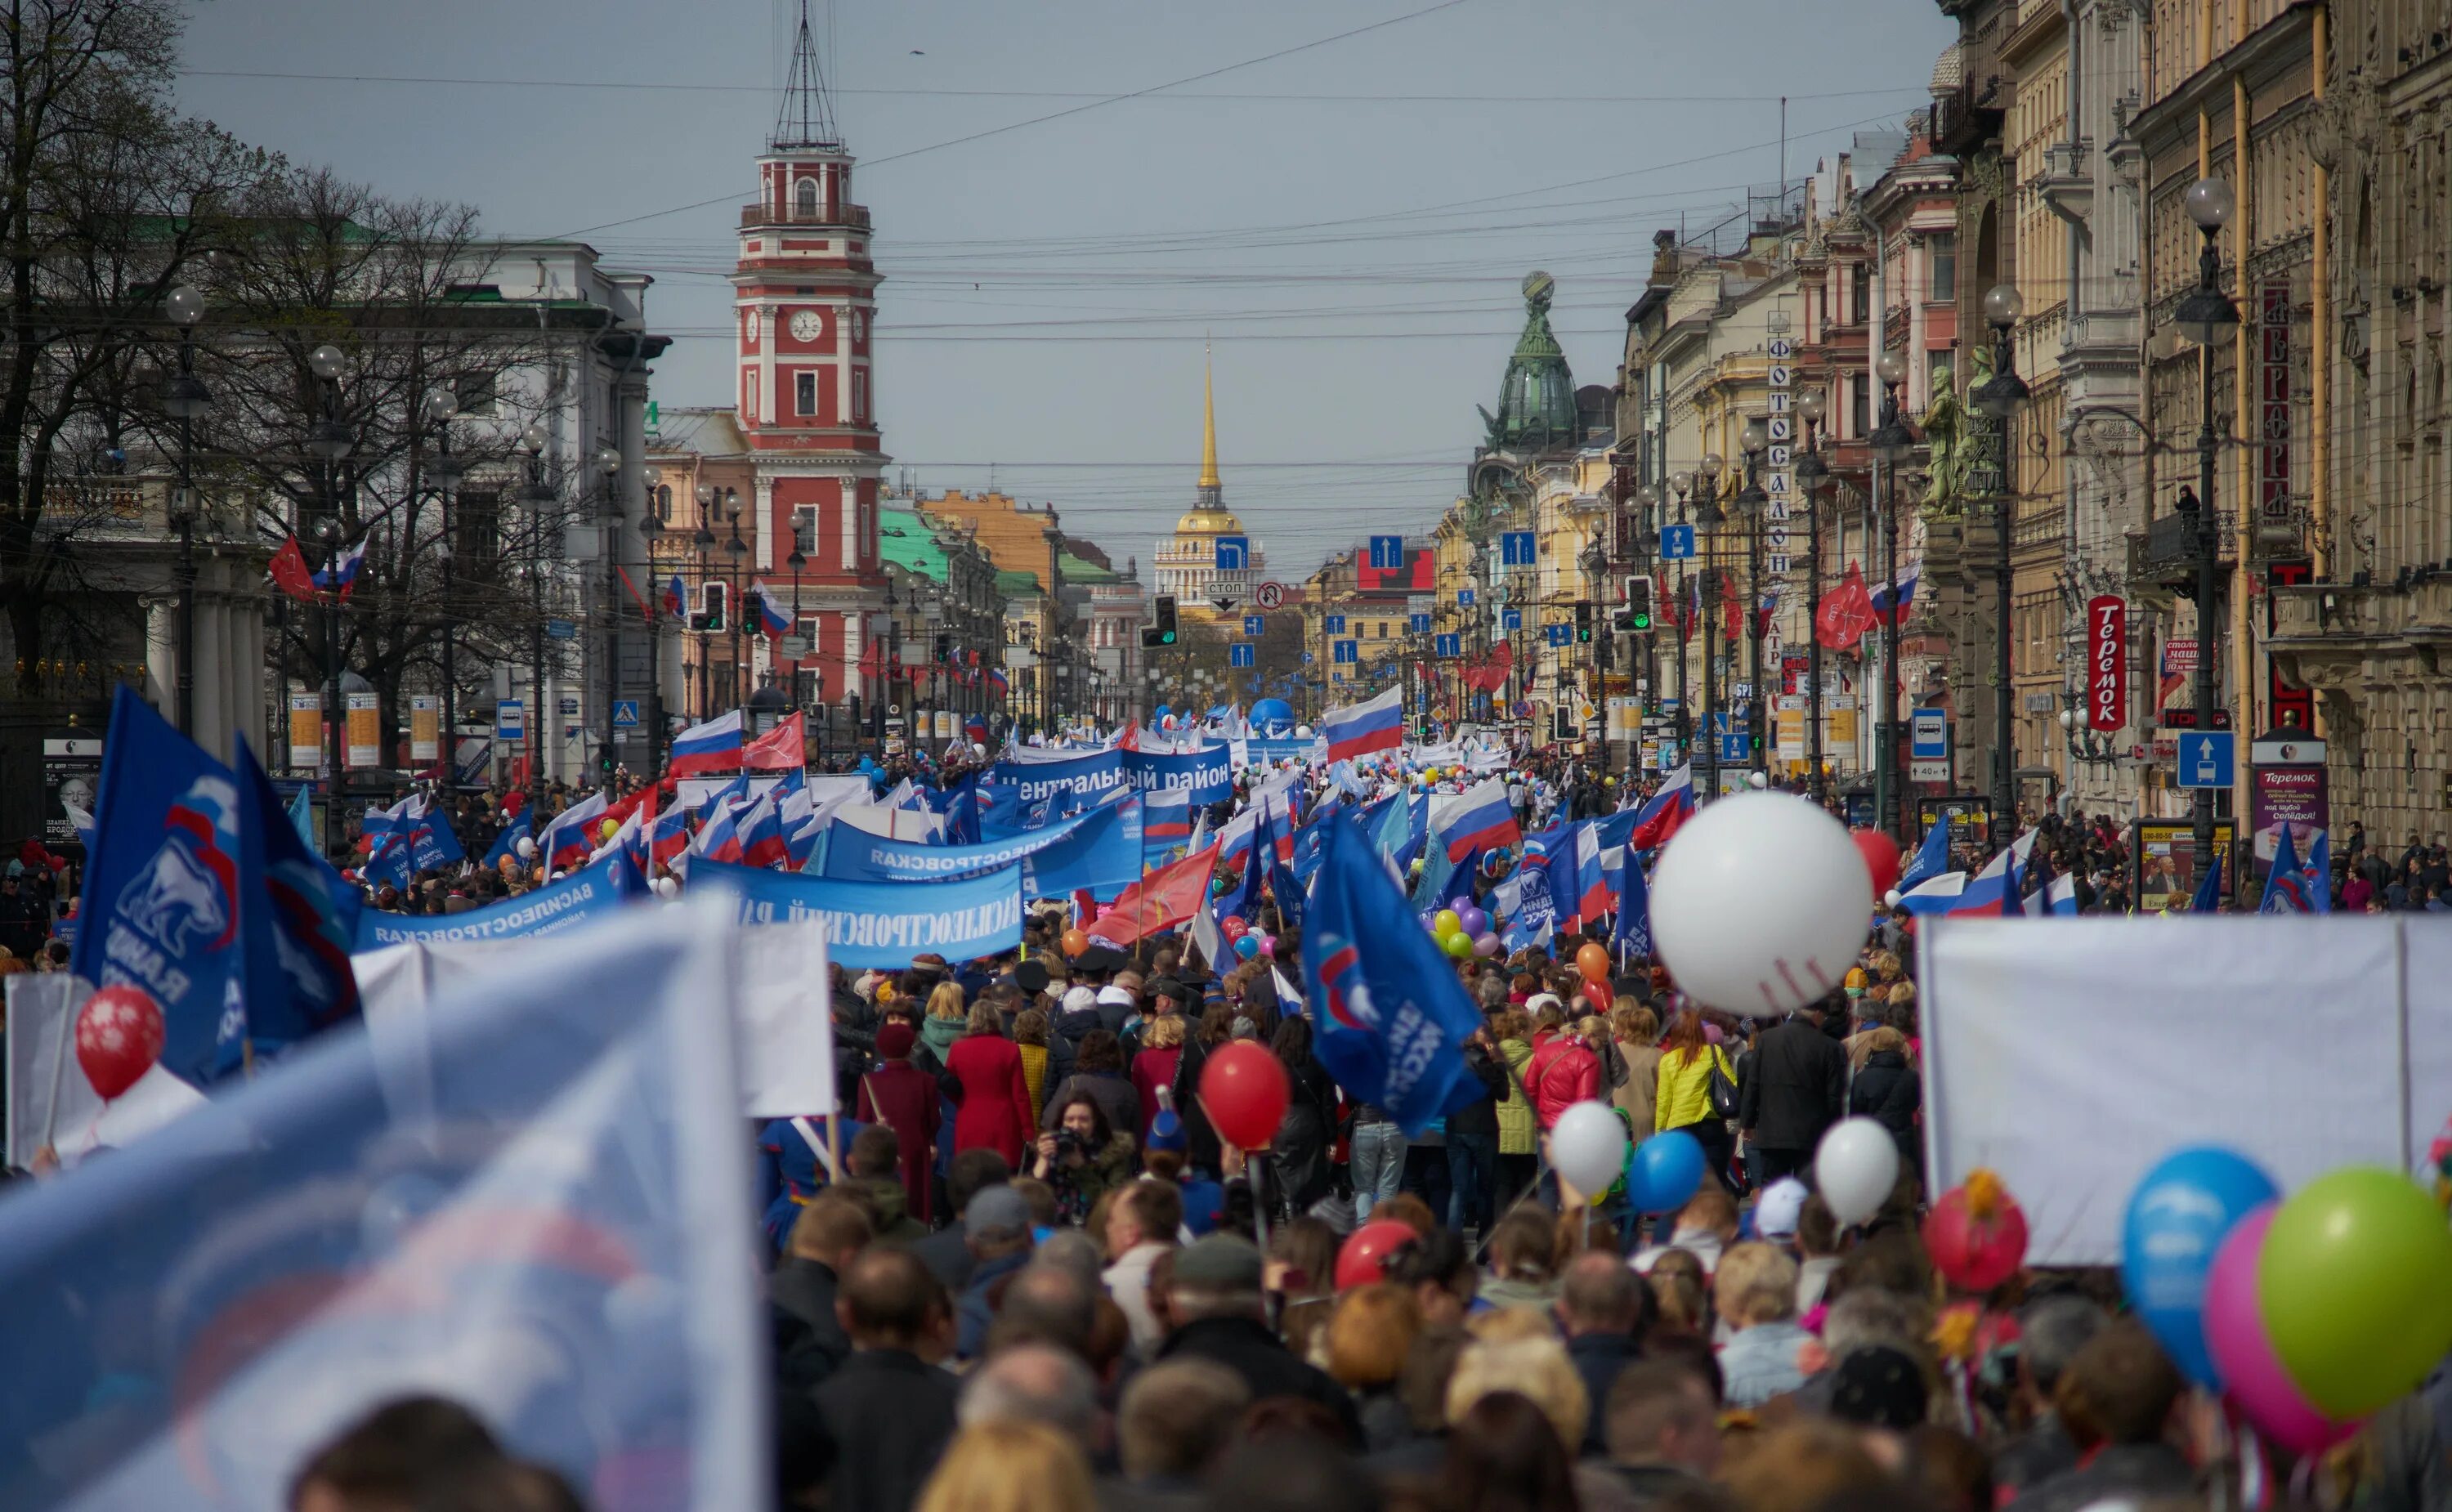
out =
column 1288, row 891
column 299, row 981
column 2291, row 888
column 1633, row 935
column 172, row 866
column 302, row 814
column 508, row 842
column 1930, row 860
column 2209, row 890
column 1390, row 1016
column 536, row 1204
column 418, row 841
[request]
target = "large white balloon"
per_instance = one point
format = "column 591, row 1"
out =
column 1588, row 1146
column 1856, row 1167
column 1760, row 903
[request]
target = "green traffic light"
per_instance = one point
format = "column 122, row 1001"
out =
column 1642, row 621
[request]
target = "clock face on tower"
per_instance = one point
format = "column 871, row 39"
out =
column 805, row 326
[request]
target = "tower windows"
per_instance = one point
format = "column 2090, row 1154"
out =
column 858, row 394
column 805, row 200
column 804, row 391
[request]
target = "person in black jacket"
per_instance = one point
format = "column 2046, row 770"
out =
column 1300, row 1172
column 1220, row 1314
column 891, row 1413
column 1887, row 1091
column 1795, row 1088
column 1472, row 1138
column 810, row 1342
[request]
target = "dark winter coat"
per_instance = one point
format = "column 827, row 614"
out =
column 1889, row 1090
column 1795, row 1088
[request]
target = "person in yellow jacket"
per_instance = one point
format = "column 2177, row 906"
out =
column 1519, row 1130
column 1683, row 1098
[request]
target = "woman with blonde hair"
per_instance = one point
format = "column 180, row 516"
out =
column 1683, row 1098
column 1635, row 1030
column 1030, row 1037
column 1369, row 1335
column 1537, row 1368
column 945, row 1020
column 1519, row 1128
column 1010, row 1466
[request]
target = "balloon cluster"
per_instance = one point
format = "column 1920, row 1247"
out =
column 1590, row 1150
column 1464, row 931
column 2308, row 1312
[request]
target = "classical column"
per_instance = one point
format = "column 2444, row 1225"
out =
column 161, row 649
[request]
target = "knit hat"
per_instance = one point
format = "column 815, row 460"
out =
column 1776, row 1212
column 996, row 1209
column 1880, row 1388
column 894, row 1041
column 1081, row 1000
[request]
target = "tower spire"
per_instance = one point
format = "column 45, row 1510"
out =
column 1209, row 480
column 807, row 118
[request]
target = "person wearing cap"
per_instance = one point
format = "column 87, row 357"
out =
column 903, row 1098
column 1220, row 1314
column 1075, row 1018
column 997, row 1230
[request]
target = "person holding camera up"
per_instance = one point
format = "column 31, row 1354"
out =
column 1084, row 1157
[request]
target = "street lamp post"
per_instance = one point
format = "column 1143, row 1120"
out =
column 1595, row 572
column 2001, row 397
column 1811, row 476
column 1709, row 517
column 1681, row 482
column 184, row 399
column 1891, row 444
column 446, row 470
column 328, row 442
column 736, row 550
column 2205, row 316
column 702, row 542
column 608, row 462
column 540, row 493
column 1755, row 504
column 651, row 528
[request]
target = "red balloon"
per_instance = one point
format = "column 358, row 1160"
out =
column 1881, row 855
column 1363, row 1258
column 1233, row 926
column 1244, row 1090
column 1598, row 990
column 1976, row 1243
column 118, row 1038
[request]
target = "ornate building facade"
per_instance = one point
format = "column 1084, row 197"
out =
column 1186, row 564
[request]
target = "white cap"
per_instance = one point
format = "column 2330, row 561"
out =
column 1122, row 996
column 1079, row 999
column 1777, row 1210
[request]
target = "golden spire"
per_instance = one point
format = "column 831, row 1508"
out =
column 1208, row 425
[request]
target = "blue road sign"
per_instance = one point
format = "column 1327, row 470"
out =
column 1242, row 654
column 1464, row 597
column 1451, row 644
column 1732, row 747
column 2207, row 758
column 1511, row 619
column 625, row 714
column 1337, row 624
column 1559, row 635
column 561, row 629
column 511, row 719
column 1348, row 650
column 1233, row 554
column 1419, row 624
column 1387, row 553
column 1516, row 549
column 1676, row 542
column 1253, row 624
column 1928, row 736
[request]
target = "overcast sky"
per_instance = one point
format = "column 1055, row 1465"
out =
column 1348, row 222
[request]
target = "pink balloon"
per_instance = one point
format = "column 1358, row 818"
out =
column 2252, row 1374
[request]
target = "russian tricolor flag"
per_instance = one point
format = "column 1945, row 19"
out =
column 719, row 838
column 1577, row 889
column 1362, row 727
column 567, row 842
column 1480, row 820
column 669, row 835
column 761, row 834
column 1166, row 817
column 342, row 573
column 1893, row 602
column 1991, row 891
column 676, row 597
column 1667, row 809
column 714, row 746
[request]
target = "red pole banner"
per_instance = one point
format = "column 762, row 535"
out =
column 2107, row 663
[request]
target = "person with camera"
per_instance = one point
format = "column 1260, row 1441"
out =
column 1084, row 1157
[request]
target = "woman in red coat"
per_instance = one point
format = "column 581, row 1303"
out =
column 991, row 1099
column 1565, row 1071
column 1156, row 1065
column 903, row 1098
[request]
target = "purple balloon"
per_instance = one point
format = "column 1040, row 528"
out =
column 1472, row 920
column 2252, row 1374
column 1486, row 945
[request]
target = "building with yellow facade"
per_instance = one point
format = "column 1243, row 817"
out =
column 1187, row 562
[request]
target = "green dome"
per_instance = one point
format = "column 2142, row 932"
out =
column 1536, row 398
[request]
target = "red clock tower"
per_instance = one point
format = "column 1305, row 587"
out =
column 805, row 303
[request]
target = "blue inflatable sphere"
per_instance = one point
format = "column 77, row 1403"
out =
column 1664, row 1173
column 2177, row 1219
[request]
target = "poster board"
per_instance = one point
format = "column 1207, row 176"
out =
column 2068, row 1055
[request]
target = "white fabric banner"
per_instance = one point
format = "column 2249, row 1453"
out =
column 50, row 1100
column 2069, row 1055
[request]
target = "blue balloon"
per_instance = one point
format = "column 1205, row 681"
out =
column 2176, row 1218
column 1247, row 947
column 1664, row 1171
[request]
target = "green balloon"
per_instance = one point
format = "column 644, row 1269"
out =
column 1456, row 944
column 2355, row 1284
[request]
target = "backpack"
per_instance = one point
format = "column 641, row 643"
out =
column 1722, row 1086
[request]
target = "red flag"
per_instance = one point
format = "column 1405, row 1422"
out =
column 290, row 574
column 1732, row 613
column 1847, row 612
column 779, row 750
column 1159, row 900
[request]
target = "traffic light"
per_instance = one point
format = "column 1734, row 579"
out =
column 1584, row 622
column 1160, row 631
column 944, row 646
column 1638, row 604
column 711, row 606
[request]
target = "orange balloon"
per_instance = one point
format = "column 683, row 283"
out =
column 1593, row 961
column 1076, row 941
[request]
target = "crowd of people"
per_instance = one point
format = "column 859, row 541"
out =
column 1020, row 1271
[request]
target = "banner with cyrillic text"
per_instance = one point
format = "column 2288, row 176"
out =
column 880, row 925
column 577, row 899
column 1209, row 772
column 1091, row 775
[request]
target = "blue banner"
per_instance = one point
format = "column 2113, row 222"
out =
column 1088, row 777
column 1054, row 859
column 577, row 899
column 881, row 925
column 1390, row 1016
column 1209, row 771
column 298, row 979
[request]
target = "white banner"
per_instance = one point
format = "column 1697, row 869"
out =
column 2069, row 1055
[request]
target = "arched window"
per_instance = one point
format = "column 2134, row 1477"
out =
column 804, row 198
